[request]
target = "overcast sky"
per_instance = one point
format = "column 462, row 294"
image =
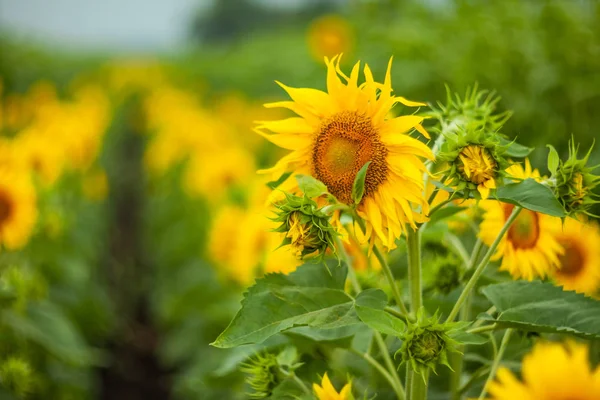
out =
column 115, row 25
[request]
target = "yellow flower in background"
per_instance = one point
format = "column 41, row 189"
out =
column 18, row 208
column 529, row 249
column 223, row 234
column 337, row 133
column 551, row 371
column 579, row 266
column 212, row 175
column 479, row 167
column 280, row 259
column 328, row 36
column 95, row 185
column 326, row 391
column 41, row 153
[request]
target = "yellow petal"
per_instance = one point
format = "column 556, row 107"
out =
column 315, row 100
column 410, row 103
column 287, row 141
column 484, row 191
column 294, row 125
column 401, row 124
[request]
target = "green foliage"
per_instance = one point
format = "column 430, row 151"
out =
column 370, row 306
column 263, row 375
column 543, row 307
column 16, row 376
column 358, row 187
column 531, row 195
column 313, row 295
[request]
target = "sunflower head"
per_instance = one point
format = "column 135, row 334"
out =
column 477, row 161
column 339, row 132
column 263, row 375
column 575, row 182
column 306, row 227
column 426, row 343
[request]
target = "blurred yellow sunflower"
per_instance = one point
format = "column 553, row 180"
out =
column 579, row 266
column 529, row 248
column 338, row 132
column 552, row 371
column 326, row 391
column 329, row 35
column 18, row 208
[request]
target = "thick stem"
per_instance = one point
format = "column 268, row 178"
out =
column 414, row 269
column 419, row 386
column 409, row 382
column 496, row 363
column 481, row 267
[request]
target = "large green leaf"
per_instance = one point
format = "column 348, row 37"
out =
column 531, row 195
column 313, row 295
column 515, row 149
column 543, row 307
column 370, row 306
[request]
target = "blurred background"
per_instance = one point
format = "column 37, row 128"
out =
column 144, row 219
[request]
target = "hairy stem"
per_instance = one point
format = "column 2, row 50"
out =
column 481, row 267
column 381, row 369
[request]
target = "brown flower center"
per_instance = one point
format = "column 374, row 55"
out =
column 572, row 261
column 345, row 143
column 6, row 207
column 525, row 231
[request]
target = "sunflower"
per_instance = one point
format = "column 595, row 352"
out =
column 18, row 208
column 579, row 265
column 478, row 167
column 552, row 371
column 327, row 392
column 338, row 132
column 529, row 248
column 329, row 35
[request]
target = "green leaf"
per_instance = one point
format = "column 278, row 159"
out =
column 468, row 338
column 444, row 213
column 553, row 159
column 531, row 195
column 543, row 307
column 515, row 149
column 358, row 187
column 310, row 186
column 369, row 307
column 313, row 295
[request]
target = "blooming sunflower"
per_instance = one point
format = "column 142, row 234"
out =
column 579, row 265
column 18, row 209
column 529, row 248
column 327, row 392
column 552, row 371
column 338, row 132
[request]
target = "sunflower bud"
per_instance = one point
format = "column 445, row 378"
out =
column 306, row 227
column 16, row 376
column 263, row 375
column 426, row 344
column 476, row 161
column 574, row 183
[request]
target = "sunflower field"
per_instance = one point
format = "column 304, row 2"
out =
column 330, row 200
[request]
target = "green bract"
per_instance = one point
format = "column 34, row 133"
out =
column 426, row 343
column 447, row 275
column 306, row 226
column 574, row 182
column 263, row 375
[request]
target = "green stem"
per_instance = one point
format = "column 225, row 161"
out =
column 497, row 359
column 414, row 269
column 419, row 386
column 481, row 329
column 481, row 267
column 367, row 357
column 396, row 313
column 409, row 382
column 436, row 208
column 398, row 388
column 386, row 270
column 296, row 379
column 390, row 277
